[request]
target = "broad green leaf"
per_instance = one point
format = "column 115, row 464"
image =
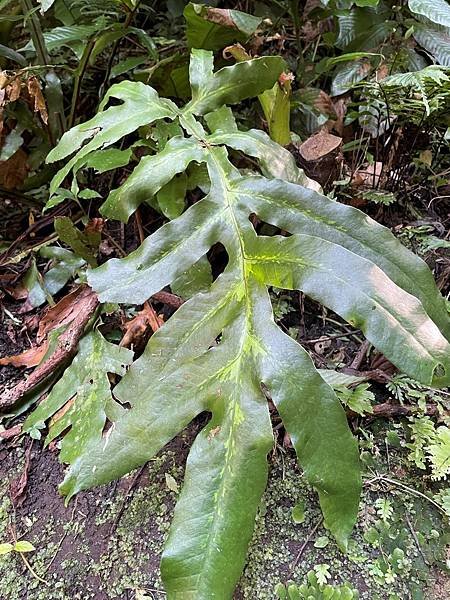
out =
column 66, row 264
column 6, row 548
column 197, row 278
column 222, row 351
column 83, row 244
column 140, row 105
column 46, row 4
column 24, row 546
column 437, row 11
column 11, row 54
column 106, row 160
column 69, row 36
column 33, row 283
column 214, row 28
column 152, row 174
column 349, row 74
column 171, row 197
column 275, row 161
column 435, row 40
column 363, row 28
column 84, row 391
column 298, row 512
column 229, row 85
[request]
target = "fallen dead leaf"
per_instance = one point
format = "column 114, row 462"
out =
column 13, row 171
column 136, row 328
column 66, row 346
column 19, row 484
column 220, row 16
column 369, row 175
column 29, row 358
column 35, row 92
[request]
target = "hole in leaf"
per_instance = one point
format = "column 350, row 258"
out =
column 263, row 228
column 218, row 258
column 439, row 371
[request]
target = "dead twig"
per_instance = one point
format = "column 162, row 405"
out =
column 359, row 357
column 11, row 432
column 305, row 543
column 171, row 300
column 416, row 539
column 126, row 499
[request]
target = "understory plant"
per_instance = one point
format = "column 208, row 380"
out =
column 222, row 352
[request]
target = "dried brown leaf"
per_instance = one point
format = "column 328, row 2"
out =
column 13, row 171
column 137, row 327
column 220, row 16
column 28, row 358
column 35, row 92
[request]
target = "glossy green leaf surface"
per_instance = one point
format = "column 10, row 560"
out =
column 231, row 84
column 437, row 11
column 222, row 351
column 140, row 105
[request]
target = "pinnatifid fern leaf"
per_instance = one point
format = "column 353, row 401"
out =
column 222, row 351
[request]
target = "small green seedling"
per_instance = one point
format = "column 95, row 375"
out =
column 20, row 546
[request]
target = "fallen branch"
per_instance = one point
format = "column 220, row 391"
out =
column 65, row 349
column 386, row 409
column 11, row 432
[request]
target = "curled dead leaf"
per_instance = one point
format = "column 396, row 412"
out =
column 136, row 328
column 35, row 92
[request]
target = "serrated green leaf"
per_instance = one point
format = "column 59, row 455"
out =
column 214, row 28
column 439, row 453
column 85, row 382
column 359, row 400
column 280, row 591
column 437, row 11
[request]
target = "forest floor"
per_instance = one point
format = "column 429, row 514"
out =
column 106, row 544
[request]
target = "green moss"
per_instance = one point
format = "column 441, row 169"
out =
column 383, row 560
